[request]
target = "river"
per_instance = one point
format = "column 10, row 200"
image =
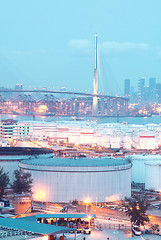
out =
column 130, row 120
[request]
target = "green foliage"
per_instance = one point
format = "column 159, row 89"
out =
column 22, row 182
column 136, row 210
column 4, row 181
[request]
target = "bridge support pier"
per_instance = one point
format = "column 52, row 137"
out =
column 102, row 106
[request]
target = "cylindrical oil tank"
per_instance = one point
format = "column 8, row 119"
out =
column 65, row 180
column 127, row 141
column 153, row 175
column 22, row 204
column 138, row 166
column 10, row 157
column 116, row 142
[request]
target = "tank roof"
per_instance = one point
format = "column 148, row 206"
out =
column 144, row 157
column 23, row 151
column 76, row 162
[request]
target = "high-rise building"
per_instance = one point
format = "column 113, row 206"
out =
column 141, row 89
column 152, row 89
column 133, row 95
column 146, row 94
column 127, row 87
column 158, row 92
column 19, row 86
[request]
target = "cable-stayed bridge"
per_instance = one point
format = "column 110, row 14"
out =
column 77, row 103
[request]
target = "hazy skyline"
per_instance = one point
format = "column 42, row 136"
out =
column 51, row 43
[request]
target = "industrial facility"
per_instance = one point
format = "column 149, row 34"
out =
column 64, row 180
column 108, row 135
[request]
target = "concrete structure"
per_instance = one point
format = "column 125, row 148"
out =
column 65, row 180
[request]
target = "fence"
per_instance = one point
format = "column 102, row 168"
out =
column 103, row 226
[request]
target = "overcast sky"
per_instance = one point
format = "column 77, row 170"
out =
column 49, row 43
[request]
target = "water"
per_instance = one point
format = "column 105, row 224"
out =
column 130, row 120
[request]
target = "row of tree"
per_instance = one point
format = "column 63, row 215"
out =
column 22, row 182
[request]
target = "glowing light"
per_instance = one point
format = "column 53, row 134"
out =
column 45, row 237
column 42, row 108
column 87, row 201
column 40, row 196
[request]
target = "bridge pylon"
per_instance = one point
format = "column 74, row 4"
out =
column 95, row 86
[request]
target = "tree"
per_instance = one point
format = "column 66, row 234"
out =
column 136, row 209
column 22, row 182
column 4, row 181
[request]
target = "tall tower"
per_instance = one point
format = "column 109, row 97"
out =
column 127, row 87
column 152, row 89
column 95, row 86
column 141, row 89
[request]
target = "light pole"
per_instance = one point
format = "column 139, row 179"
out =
column 43, row 198
column 87, row 201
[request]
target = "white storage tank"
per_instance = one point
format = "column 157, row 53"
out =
column 147, row 140
column 153, row 175
column 116, row 142
column 10, row 164
column 10, row 157
column 65, row 180
column 127, row 142
column 138, row 166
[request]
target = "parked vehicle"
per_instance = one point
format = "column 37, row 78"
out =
column 79, row 230
column 87, row 230
column 136, row 230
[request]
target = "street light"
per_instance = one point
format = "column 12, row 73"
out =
column 43, row 198
column 87, row 201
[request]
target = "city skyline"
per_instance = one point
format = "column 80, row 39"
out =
column 52, row 44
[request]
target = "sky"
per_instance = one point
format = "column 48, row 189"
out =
column 47, row 43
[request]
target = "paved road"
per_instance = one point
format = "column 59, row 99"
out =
column 154, row 215
column 114, row 235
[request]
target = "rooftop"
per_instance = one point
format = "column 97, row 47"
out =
column 23, row 151
column 65, row 215
column 76, row 162
column 31, row 226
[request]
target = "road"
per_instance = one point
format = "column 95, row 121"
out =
column 154, row 216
